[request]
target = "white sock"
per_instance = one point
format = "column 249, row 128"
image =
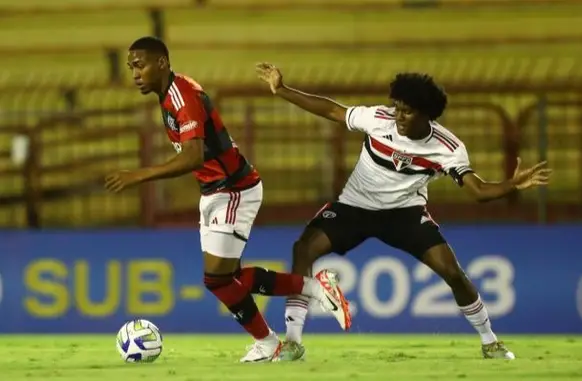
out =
column 295, row 313
column 476, row 314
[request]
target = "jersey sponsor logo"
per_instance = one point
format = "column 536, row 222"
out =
column 171, row 122
column 400, row 160
column 188, row 126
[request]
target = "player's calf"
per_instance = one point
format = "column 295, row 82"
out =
column 471, row 306
column 441, row 259
column 239, row 302
column 263, row 281
column 312, row 244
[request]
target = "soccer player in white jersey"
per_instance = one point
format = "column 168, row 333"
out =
column 386, row 194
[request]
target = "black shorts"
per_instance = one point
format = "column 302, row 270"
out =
column 409, row 229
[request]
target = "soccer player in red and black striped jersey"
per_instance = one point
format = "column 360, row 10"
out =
column 232, row 193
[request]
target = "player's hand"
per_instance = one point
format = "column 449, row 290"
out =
column 120, row 180
column 536, row 175
column 270, row 74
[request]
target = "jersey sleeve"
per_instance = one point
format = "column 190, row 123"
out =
column 457, row 164
column 191, row 117
column 361, row 118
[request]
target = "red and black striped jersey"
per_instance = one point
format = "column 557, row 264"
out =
column 188, row 114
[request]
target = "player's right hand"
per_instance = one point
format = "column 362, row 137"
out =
column 120, row 180
column 269, row 73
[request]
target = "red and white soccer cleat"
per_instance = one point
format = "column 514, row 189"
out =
column 333, row 299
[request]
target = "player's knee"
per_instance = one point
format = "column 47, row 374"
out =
column 258, row 280
column 212, row 282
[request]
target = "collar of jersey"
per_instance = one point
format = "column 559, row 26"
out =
column 163, row 96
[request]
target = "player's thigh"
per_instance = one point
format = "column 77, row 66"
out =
column 311, row 245
column 409, row 229
column 228, row 221
column 335, row 228
column 245, row 210
column 219, row 265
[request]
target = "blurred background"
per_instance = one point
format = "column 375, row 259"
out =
column 69, row 114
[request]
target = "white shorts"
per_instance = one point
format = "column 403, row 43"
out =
column 226, row 220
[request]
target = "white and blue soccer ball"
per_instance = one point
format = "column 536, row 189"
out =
column 139, row 341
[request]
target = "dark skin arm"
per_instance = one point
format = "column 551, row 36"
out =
column 484, row 191
column 190, row 158
column 315, row 104
column 481, row 190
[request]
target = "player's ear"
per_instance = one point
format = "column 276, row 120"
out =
column 163, row 62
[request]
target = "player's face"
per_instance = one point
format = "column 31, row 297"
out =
column 146, row 70
column 409, row 121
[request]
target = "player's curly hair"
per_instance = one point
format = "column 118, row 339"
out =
column 151, row 45
column 420, row 92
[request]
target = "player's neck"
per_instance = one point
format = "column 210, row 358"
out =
column 165, row 84
column 421, row 134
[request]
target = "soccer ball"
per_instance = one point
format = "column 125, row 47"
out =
column 139, row 341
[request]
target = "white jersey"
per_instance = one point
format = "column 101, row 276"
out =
column 394, row 171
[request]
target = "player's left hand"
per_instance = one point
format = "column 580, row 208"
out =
column 120, row 180
column 536, row 175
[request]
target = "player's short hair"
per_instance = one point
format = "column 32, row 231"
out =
column 420, row 92
column 151, row 45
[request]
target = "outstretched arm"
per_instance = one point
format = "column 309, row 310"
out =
column 484, row 191
column 315, row 104
column 190, row 157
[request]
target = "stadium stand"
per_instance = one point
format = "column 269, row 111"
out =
column 515, row 90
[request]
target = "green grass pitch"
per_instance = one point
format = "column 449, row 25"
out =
column 330, row 357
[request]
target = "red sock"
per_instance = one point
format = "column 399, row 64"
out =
column 266, row 282
column 240, row 302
